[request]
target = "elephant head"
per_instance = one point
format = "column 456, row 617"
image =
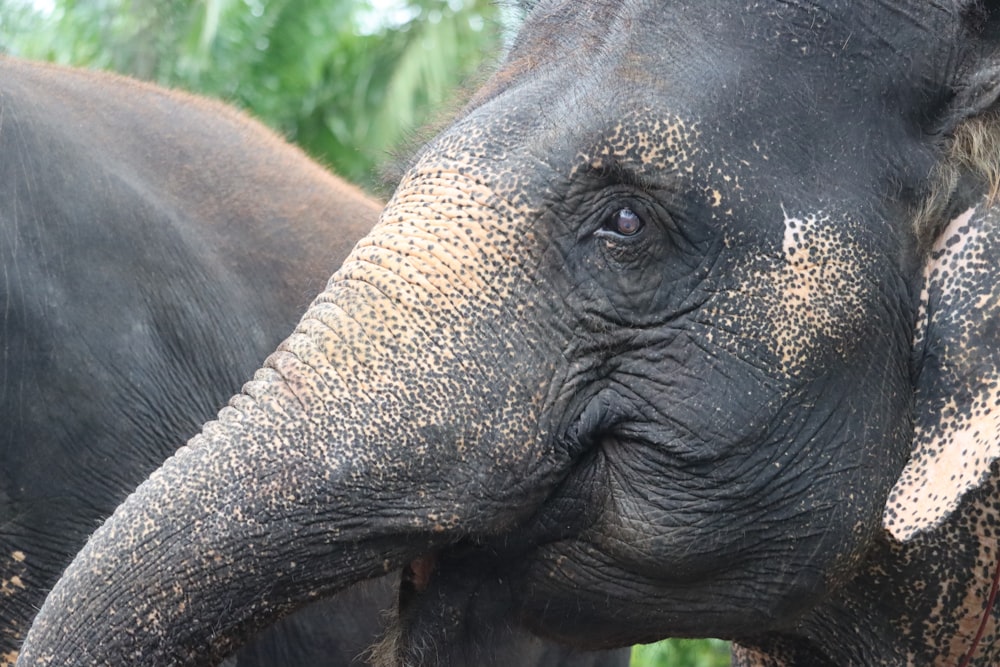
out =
column 628, row 354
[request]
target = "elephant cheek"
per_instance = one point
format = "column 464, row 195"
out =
column 820, row 295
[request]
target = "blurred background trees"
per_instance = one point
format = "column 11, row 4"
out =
column 351, row 81
column 346, row 79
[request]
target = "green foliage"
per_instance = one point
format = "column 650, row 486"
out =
column 682, row 653
column 348, row 80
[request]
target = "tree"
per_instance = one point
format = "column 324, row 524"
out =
column 347, row 80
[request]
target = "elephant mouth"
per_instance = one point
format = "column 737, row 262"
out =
column 415, row 579
column 456, row 607
column 468, row 600
column 417, row 574
column 443, row 573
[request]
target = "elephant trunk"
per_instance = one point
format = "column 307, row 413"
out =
column 370, row 438
column 192, row 561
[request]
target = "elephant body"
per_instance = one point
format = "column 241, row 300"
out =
column 684, row 326
column 137, row 298
column 155, row 247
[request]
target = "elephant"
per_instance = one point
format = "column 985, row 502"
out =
column 155, row 247
column 685, row 325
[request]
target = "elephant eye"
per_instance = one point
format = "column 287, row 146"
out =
column 624, row 222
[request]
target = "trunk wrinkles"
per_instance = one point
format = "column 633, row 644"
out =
column 340, row 461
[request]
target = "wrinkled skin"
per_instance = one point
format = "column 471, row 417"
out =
column 630, row 354
column 922, row 595
column 156, row 247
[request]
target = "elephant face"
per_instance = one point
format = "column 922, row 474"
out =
column 712, row 279
column 627, row 355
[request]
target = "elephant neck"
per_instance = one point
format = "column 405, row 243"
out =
column 931, row 601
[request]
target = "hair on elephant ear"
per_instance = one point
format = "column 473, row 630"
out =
column 972, row 154
column 972, row 127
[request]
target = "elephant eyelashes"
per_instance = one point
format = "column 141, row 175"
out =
column 625, row 222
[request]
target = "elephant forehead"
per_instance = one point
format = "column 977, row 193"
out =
column 647, row 144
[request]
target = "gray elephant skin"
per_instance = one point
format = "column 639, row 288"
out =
column 155, row 247
column 686, row 325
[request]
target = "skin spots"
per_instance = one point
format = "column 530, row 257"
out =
column 944, row 513
column 819, row 289
column 8, row 586
column 820, row 296
column 647, row 144
column 958, row 434
column 12, row 579
column 922, row 594
column 716, row 197
column 803, row 305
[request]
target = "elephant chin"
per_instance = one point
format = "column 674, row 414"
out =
column 457, row 602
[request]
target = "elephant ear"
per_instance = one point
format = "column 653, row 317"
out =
column 957, row 399
column 957, row 339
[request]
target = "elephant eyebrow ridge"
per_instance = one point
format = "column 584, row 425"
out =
column 612, row 171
